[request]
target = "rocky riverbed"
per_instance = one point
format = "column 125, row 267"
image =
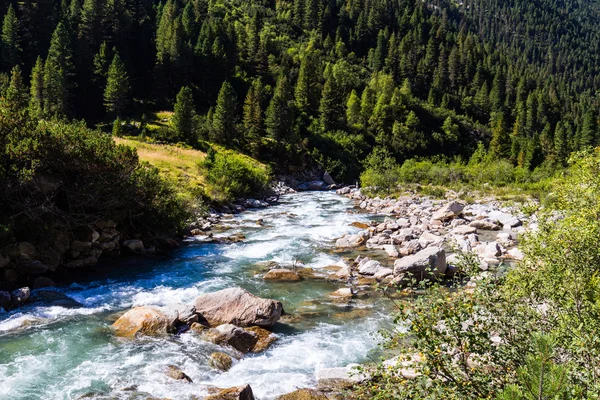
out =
column 271, row 303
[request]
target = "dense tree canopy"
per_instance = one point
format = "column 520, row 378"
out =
column 417, row 78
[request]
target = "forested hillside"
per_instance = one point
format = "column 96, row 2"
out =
column 331, row 79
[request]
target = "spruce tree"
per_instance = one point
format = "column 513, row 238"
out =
column 501, row 144
column 225, row 116
column 308, row 88
column 252, row 115
column 117, row 92
column 10, row 40
column 58, row 74
column 332, row 106
column 36, row 90
column 353, row 114
column 184, row 116
column 279, row 117
column 16, row 98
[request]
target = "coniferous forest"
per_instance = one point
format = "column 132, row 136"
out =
column 328, row 80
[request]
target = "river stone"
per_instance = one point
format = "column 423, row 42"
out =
column 239, row 307
column 464, row 230
column 26, row 250
column 220, row 361
column 369, row 267
column 134, row 245
column 5, row 302
column 265, row 338
column 350, row 241
column 303, row 394
column 507, row 220
column 428, row 238
column 339, row 378
column 343, row 293
column 448, row 211
column 233, row 336
column 359, row 225
column 19, row 297
column 391, row 250
column 31, row 267
column 243, row 392
column 80, row 246
column 328, row 179
column 145, row 321
column 484, row 224
column 177, row 374
column 282, row 275
column 432, row 259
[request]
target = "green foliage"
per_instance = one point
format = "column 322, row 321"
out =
column 87, row 176
column 528, row 334
column 381, row 171
column 225, row 115
column 233, row 176
column 11, row 49
column 117, row 91
column 184, row 118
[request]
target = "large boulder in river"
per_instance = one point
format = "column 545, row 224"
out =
column 239, row 307
column 231, row 335
column 449, row 211
column 339, row 378
column 220, row 361
column 243, row 392
column 282, row 275
column 145, row 321
column 432, row 260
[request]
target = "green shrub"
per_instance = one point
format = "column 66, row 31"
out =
column 233, row 176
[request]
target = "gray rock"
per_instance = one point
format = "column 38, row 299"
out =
column 43, row 281
column 81, row 246
column 220, row 361
column 350, row 241
column 239, row 307
column 31, row 267
column 134, row 245
column 507, row 220
column 516, row 254
column 369, row 267
column 484, row 224
column 19, row 296
column 429, row 261
column 464, row 230
column 231, row 335
column 339, row 378
column 176, row 373
column 391, row 250
column 328, row 179
column 449, row 211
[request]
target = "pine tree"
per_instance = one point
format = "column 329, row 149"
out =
column 58, row 74
column 184, row 116
column 225, row 116
column 10, row 40
column 16, row 97
column 117, row 92
column 36, row 91
column 353, row 113
column 332, row 106
column 102, row 61
column 501, row 144
column 308, row 88
column 279, row 117
column 253, row 116
column 561, row 148
column 117, row 128
column 589, row 130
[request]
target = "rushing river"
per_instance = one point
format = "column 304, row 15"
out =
column 59, row 353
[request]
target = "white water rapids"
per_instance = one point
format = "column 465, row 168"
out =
column 59, row 353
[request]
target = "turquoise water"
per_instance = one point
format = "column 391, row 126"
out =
column 59, row 353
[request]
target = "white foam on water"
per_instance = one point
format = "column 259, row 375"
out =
column 66, row 353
